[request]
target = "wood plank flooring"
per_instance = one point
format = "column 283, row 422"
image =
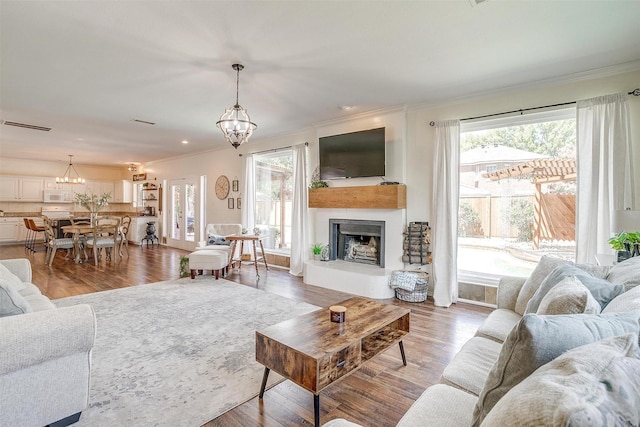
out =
column 378, row 394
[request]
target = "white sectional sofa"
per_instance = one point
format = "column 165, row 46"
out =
column 560, row 349
column 45, row 353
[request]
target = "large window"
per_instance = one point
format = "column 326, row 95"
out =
column 517, row 194
column 274, row 191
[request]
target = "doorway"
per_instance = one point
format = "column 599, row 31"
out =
column 183, row 206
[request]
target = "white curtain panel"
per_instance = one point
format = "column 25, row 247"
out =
column 605, row 171
column 299, row 220
column 249, row 191
column 444, row 231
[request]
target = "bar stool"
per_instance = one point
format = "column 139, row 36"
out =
column 30, row 233
column 36, row 229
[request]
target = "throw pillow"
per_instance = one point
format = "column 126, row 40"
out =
column 596, row 384
column 627, row 301
column 626, row 272
column 602, row 290
column 545, row 266
column 536, row 340
column 569, row 297
column 11, row 302
column 14, row 281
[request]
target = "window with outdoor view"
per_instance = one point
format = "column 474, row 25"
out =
column 517, row 194
column 274, row 191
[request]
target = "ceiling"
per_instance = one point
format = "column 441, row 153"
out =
column 87, row 70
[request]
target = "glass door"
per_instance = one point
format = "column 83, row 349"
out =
column 183, row 208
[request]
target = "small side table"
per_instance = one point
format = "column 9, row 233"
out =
column 253, row 239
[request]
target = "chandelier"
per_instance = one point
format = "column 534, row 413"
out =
column 132, row 168
column 68, row 178
column 235, row 123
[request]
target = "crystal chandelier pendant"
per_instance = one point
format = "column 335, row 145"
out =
column 235, row 123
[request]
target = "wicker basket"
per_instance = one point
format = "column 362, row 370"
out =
column 419, row 293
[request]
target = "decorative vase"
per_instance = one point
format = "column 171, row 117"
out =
column 93, row 216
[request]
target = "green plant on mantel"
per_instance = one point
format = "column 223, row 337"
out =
column 316, row 182
column 317, row 248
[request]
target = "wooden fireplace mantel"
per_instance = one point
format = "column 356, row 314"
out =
column 362, row 197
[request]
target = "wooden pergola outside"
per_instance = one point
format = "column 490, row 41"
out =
column 554, row 215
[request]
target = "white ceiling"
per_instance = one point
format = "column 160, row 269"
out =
column 88, row 68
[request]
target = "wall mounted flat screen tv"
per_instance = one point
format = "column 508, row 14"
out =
column 353, row 155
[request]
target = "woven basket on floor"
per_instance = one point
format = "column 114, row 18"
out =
column 419, row 293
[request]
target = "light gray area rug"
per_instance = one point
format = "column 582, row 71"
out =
column 177, row 353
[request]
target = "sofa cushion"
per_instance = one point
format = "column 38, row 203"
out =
column 627, row 301
column 545, row 266
column 39, row 302
column 595, row 384
column 537, row 340
column 602, row 290
column 470, row 366
column 626, row 272
column 13, row 280
column 569, row 296
column 11, row 302
column 498, row 324
column 440, row 405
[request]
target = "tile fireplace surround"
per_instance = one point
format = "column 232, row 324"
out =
column 359, row 279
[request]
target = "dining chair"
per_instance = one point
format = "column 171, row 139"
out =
column 27, row 240
column 124, row 234
column 54, row 243
column 104, row 236
column 36, row 229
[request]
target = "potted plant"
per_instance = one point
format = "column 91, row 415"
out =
column 92, row 202
column 184, row 266
column 620, row 243
column 315, row 180
column 317, row 250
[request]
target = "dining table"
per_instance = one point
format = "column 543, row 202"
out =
column 77, row 230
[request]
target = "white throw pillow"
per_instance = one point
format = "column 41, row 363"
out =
column 11, row 302
column 545, row 266
column 569, row 296
column 596, row 384
column 14, row 281
column 627, row 301
column 626, row 272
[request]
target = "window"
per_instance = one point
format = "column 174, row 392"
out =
column 517, row 194
column 274, row 191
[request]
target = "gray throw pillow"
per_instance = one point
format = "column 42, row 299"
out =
column 569, row 297
column 537, row 340
column 593, row 385
column 11, row 302
column 545, row 266
column 626, row 272
column 602, row 290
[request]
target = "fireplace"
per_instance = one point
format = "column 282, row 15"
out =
column 359, row 241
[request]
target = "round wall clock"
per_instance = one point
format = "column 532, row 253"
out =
column 222, row 187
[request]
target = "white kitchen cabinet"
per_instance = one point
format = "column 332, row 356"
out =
column 20, row 189
column 123, row 192
column 9, row 229
column 100, row 187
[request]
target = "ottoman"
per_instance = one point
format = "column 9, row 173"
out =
column 208, row 260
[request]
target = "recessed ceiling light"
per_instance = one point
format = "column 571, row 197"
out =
column 345, row 107
column 184, row 141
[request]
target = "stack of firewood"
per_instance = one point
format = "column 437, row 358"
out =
column 416, row 244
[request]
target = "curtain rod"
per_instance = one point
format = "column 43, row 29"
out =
column 274, row 150
column 635, row 92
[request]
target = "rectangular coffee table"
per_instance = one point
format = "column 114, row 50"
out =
column 314, row 352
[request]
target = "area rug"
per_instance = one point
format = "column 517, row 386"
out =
column 177, row 353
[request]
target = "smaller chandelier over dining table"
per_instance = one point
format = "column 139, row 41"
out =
column 71, row 176
column 235, row 123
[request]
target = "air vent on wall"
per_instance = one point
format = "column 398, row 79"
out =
column 27, row 126
column 143, row 121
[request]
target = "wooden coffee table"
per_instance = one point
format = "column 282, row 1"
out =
column 314, row 352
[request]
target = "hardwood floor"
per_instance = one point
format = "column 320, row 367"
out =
column 378, row 394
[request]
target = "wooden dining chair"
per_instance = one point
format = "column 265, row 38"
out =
column 104, row 236
column 124, row 234
column 53, row 243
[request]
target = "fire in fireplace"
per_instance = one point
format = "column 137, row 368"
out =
column 358, row 241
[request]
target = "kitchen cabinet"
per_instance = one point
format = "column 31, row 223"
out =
column 100, row 187
column 13, row 230
column 20, row 189
column 123, row 192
